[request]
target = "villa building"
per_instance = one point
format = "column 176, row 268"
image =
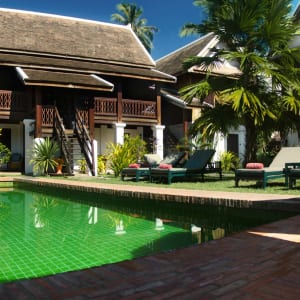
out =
column 86, row 83
column 184, row 114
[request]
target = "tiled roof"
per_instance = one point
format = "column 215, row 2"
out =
column 62, row 44
column 173, row 62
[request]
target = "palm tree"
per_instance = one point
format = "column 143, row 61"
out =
column 131, row 14
column 258, row 35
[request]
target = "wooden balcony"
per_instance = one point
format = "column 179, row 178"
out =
column 133, row 111
column 106, row 112
column 13, row 105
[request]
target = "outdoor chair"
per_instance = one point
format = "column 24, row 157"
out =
column 15, row 163
column 197, row 164
column 137, row 171
column 292, row 173
column 275, row 170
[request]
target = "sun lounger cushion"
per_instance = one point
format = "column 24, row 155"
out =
column 134, row 166
column 165, row 166
column 254, row 166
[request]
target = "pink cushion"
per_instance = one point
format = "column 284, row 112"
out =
column 134, row 166
column 165, row 166
column 254, row 166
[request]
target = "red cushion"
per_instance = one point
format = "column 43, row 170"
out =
column 134, row 166
column 165, row 166
column 254, row 166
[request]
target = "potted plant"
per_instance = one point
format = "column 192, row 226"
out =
column 60, row 163
column 44, row 155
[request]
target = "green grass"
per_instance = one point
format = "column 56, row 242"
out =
column 210, row 183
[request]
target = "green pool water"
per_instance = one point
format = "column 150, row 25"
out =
column 59, row 231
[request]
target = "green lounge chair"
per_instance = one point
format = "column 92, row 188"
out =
column 197, row 164
column 292, row 173
column 151, row 160
column 275, row 170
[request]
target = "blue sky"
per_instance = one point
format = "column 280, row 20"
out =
column 168, row 15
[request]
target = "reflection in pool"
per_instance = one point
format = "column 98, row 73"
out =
column 42, row 234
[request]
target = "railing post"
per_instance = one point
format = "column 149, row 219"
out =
column 119, row 103
column 158, row 104
column 38, row 113
column 91, row 121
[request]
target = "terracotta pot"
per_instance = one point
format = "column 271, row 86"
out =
column 59, row 169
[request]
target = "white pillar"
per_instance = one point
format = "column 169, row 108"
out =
column 158, row 134
column 220, row 145
column 28, row 144
column 95, row 151
column 119, row 133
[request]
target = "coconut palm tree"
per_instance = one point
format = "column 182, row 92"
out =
column 131, row 14
column 257, row 34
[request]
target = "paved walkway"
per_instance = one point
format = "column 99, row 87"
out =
column 262, row 263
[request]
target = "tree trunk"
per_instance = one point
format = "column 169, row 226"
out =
column 251, row 142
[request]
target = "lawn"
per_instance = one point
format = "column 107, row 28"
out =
column 210, row 183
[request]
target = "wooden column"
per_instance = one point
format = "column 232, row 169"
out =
column 185, row 123
column 119, row 103
column 38, row 112
column 158, row 104
column 92, row 119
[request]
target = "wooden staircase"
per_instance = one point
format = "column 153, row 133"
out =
column 75, row 144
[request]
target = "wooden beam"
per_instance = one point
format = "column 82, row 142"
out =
column 92, row 119
column 120, row 104
column 38, row 112
column 158, row 105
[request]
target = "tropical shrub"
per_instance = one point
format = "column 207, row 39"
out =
column 44, row 155
column 101, row 164
column 4, row 154
column 229, row 161
column 120, row 156
column 82, row 166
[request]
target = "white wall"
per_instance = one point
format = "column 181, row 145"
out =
column 16, row 137
column 220, row 142
column 292, row 139
column 105, row 135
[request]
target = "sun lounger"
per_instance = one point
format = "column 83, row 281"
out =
column 196, row 165
column 138, row 171
column 292, row 173
column 275, row 170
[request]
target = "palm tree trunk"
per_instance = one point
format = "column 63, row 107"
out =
column 251, row 142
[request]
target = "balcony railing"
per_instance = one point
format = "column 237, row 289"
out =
column 48, row 115
column 13, row 101
column 130, row 108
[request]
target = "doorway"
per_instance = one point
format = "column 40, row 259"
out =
column 5, row 137
column 233, row 143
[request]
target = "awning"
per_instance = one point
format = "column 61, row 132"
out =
column 39, row 62
column 173, row 98
column 41, row 77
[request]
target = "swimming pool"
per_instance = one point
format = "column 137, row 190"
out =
column 43, row 234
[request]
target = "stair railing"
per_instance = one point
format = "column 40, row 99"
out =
column 63, row 139
column 85, row 141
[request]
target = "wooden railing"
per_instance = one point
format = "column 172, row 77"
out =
column 85, row 141
column 63, row 139
column 138, row 108
column 130, row 108
column 11, row 100
column 48, row 112
column 105, row 106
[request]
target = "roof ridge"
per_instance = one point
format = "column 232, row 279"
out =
column 185, row 46
column 43, row 14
